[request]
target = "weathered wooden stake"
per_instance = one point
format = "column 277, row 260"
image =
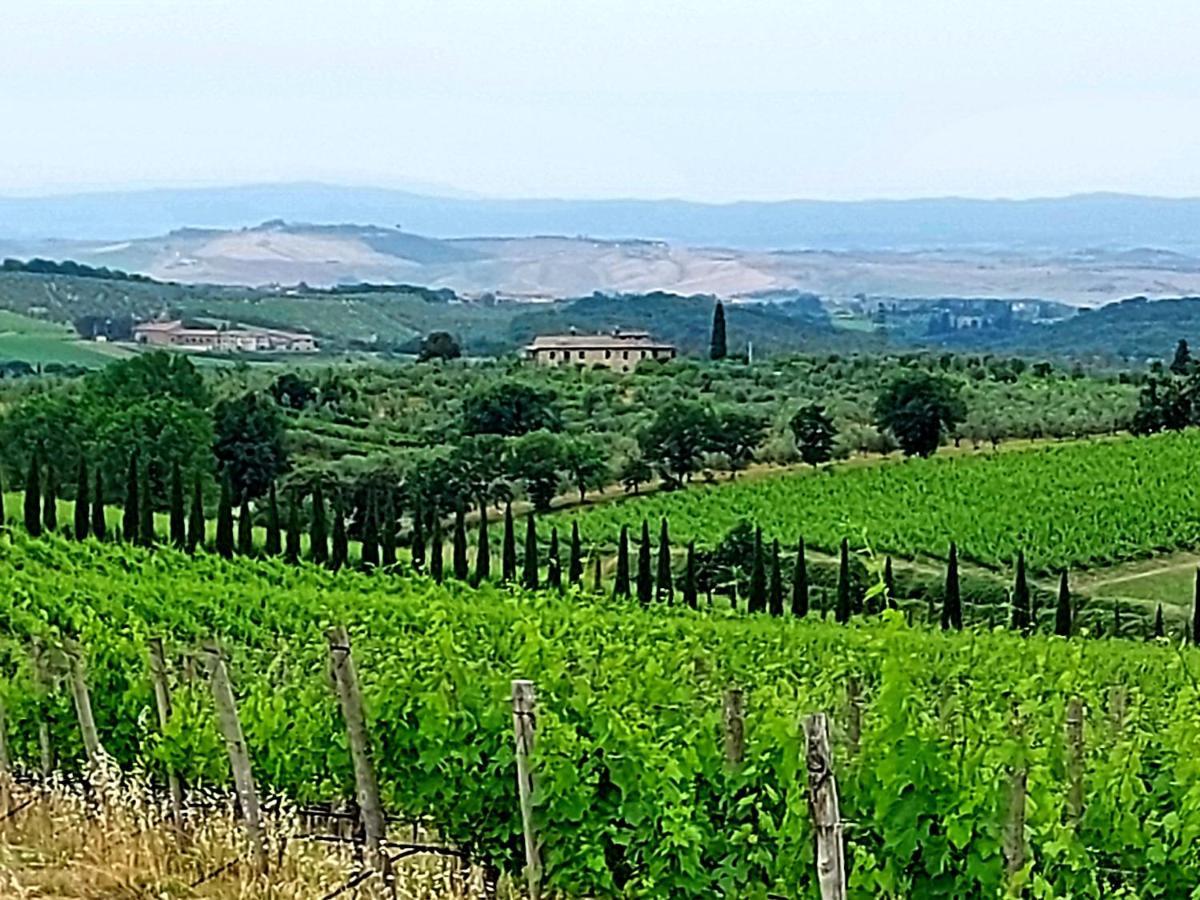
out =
column 1074, row 728
column 366, row 786
column 734, row 709
column 83, row 710
column 1014, row 827
column 823, row 805
column 162, row 702
column 42, row 681
column 239, row 755
column 5, row 764
column 525, row 729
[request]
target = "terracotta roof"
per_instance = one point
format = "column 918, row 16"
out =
column 632, row 340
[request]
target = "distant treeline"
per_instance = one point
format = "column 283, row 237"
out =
column 69, row 267
column 432, row 295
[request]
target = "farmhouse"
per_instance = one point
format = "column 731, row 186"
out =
column 619, row 350
column 176, row 334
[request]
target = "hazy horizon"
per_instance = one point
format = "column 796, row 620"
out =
column 711, row 102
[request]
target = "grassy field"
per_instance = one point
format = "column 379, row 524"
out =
column 37, row 342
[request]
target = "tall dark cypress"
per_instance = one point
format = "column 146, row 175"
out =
column 387, row 531
column 225, row 519
column 82, row 507
column 130, row 518
column 952, row 601
column 369, row 556
column 318, row 529
column 689, row 577
column 597, row 576
column 775, row 593
column 99, row 523
column 416, row 549
column 529, row 575
column 33, row 498
column 245, row 529
column 757, row 601
column 483, row 548
column 291, row 553
column 800, row 582
column 665, row 587
column 508, row 550
column 3, row 513
column 554, row 564
column 462, row 570
column 1196, row 610
column 645, row 578
column 274, row 544
column 575, row 568
column 50, row 506
column 621, row 581
column 437, row 568
column 196, row 536
column 1118, row 631
column 1159, row 630
column 339, row 542
column 178, row 519
column 842, row 613
column 717, row 345
column 1062, row 614
column 1021, row 619
column 889, row 584
column 146, row 535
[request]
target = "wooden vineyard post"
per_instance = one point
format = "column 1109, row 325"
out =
column 524, row 730
column 1014, row 827
column 1074, row 728
column 83, row 711
column 5, row 763
column 366, row 786
column 734, row 714
column 823, row 805
column 239, row 755
column 42, row 680
column 162, row 702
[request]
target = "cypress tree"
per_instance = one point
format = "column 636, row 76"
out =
column 1062, row 615
column 436, row 563
column 1196, row 610
column 33, row 498
column 196, row 525
column 369, row 557
column 800, row 582
column 1021, row 618
column 689, row 577
column 339, row 544
column 529, row 576
column 1117, row 619
column 225, row 519
column 889, row 584
column 99, row 524
column 50, row 507
column 483, row 549
column 952, row 602
column 178, row 526
column 717, row 346
column 666, row 586
column 82, row 507
column 146, row 536
column 757, row 601
column 291, row 553
column 129, row 520
column 776, row 591
column 245, row 529
column 553, row 565
column 508, row 550
column 597, row 580
column 843, row 585
column 1159, row 630
column 621, row 581
column 575, row 570
column 318, row 531
column 387, row 531
column 645, row 583
column 461, row 569
column 274, row 538
column 3, row 514
column 417, row 540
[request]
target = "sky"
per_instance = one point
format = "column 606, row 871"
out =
column 714, row 100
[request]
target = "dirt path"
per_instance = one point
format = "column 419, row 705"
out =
column 1145, row 568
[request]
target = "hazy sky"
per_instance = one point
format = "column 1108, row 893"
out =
column 708, row 99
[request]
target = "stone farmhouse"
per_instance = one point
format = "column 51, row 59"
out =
column 176, row 335
column 618, row 350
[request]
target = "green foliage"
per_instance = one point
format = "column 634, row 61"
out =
column 757, row 600
column 483, row 549
column 1062, row 612
column 575, row 565
column 718, row 345
column 82, row 506
column 291, row 553
column 952, row 615
column 535, row 459
column 664, row 583
column 99, row 522
column 318, row 536
column 621, row 582
column 553, row 564
column 339, row 543
column 245, row 529
column 196, row 530
column 814, row 433
column 438, row 345
column 130, row 519
column 645, row 577
column 248, row 442
column 680, row 433
column 273, row 545
column 461, row 568
column 509, row 409
column 33, row 498
column 50, row 499
column 178, row 527
column 436, row 549
column 225, row 519
column 508, row 554
column 529, row 571
column 800, row 600
column 919, row 408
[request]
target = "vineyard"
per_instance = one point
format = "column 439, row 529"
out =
column 932, row 733
column 1080, row 504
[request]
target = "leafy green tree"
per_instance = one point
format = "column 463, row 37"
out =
column 461, row 569
column 508, row 552
column 718, row 347
column 918, row 408
column 291, row 391
column 814, row 433
column 738, row 435
column 645, row 578
column 369, row 556
column 131, row 519
column 575, row 565
column 842, row 612
column 633, row 473
column 99, row 523
column 621, row 582
column 50, row 501
column 3, row 513
column 248, row 442
column 952, row 602
column 510, row 409
column 1181, row 364
column 535, row 459
column 553, row 564
column 775, row 590
column 1021, row 619
column 529, row 575
column 665, row 592
column 33, row 498
column 274, row 542
column 146, row 535
column 318, row 533
column 196, row 525
column 81, row 500
column 681, row 432
column 584, row 464
column 800, row 582
column 178, row 527
column 689, row 577
column 1196, row 610
column 245, row 529
column 225, row 519
column 291, row 553
column 1062, row 614
column 339, row 544
column 483, row 549
column 436, row 559
column 757, row 601
column 438, row 345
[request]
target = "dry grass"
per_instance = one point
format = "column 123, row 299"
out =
column 121, row 844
